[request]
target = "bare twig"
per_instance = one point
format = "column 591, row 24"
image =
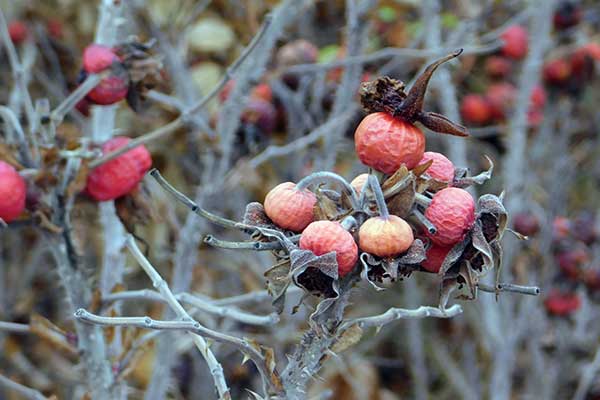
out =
column 180, row 121
column 394, row 314
column 13, row 327
column 27, row 393
column 588, row 373
column 509, row 287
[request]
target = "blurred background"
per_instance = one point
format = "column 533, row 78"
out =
column 527, row 86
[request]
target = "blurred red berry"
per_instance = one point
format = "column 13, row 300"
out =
column 567, row 15
column 584, row 227
column 515, row 40
column 441, row 168
column 557, row 72
column 526, row 223
column 562, row 304
column 261, row 114
column 120, row 175
column 54, row 28
column 452, row 212
column 584, row 58
column 13, row 191
column 570, row 261
column 261, row 91
column 113, row 88
column 18, row 32
column 561, row 228
column 475, row 109
column 501, row 97
column 498, row 66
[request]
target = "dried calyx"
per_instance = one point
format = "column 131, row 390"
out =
column 387, row 95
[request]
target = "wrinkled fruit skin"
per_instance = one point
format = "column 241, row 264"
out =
column 120, row 175
column 526, row 224
column 322, row 237
column 452, row 212
column 475, row 109
column 385, row 143
column 562, row 304
column 113, row 88
column 515, row 42
column 18, row 32
column 290, row 208
column 13, row 191
column 385, row 237
column 359, row 182
column 441, row 169
column 435, row 258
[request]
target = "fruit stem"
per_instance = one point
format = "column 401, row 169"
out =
column 424, row 221
column 349, row 223
column 422, row 200
column 329, row 177
column 227, row 223
column 379, row 199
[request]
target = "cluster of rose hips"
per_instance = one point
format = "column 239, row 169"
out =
column 112, row 179
column 572, row 246
column 569, row 71
column 411, row 201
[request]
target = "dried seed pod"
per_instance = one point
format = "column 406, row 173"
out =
column 290, row 208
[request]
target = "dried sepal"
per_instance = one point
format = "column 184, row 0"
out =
column 278, row 280
column 440, row 124
column 462, row 180
column 413, row 103
column 377, row 269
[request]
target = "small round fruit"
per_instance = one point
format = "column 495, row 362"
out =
column 385, row 237
column 515, row 40
column 359, row 182
column 290, row 208
column 584, row 56
column 526, row 223
column 13, row 191
column 452, row 212
column 571, row 261
column 501, row 97
column 441, row 169
column 557, row 72
column 498, row 66
column 113, row 88
column 261, row 114
column 567, row 15
column 385, row 143
column 297, row 52
column 121, row 175
column 561, row 228
column 475, row 109
column 562, row 304
column 18, row 32
column 323, row 237
column 435, row 258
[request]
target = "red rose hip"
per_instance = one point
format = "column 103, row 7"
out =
column 12, row 192
column 441, row 168
column 515, row 40
column 435, row 257
column 385, row 237
column 452, row 212
column 113, row 88
column 385, row 143
column 322, row 237
column 290, row 208
column 475, row 109
column 121, row 175
column 359, row 182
